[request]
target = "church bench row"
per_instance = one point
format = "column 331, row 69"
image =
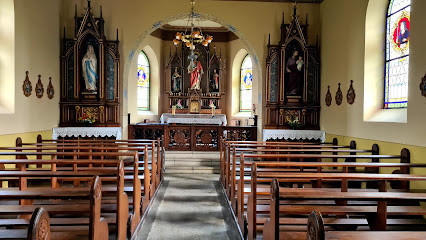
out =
column 240, row 167
column 155, row 146
column 78, row 155
column 231, row 149
column 316, row 231
column 97, row 227
column 151, row 183
column 257, row 208
column 100, row 146
column 374, row 149
column 119, row 207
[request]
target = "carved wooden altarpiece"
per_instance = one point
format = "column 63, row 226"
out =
column 77, row 100
column 195, row 101
column 292, row 79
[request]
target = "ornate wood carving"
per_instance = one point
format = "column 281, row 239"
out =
column 339, row 96
column 328, row 98
column 50, row 90
column 292, row 77
column 178, row 84
column 206, row 138
column 351, row 94
column 423, row 86
column 191, row 137
column 89, row 35
column 39, row 89
column 27, row 87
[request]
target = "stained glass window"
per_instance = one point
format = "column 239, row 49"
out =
column 397, row 54
column 246, row 85
column 143, row 82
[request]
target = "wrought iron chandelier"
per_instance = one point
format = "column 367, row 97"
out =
column 196, row 35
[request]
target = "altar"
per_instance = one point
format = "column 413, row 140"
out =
column 179, row 118
column 86, row 132
column 292, row 135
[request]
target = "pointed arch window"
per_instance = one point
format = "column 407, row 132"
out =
column 143, row 82
column 246, row 85
column 397, row 54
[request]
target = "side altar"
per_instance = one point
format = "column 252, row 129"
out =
column 90, row 83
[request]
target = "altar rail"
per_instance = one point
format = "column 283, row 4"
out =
column 192, row 137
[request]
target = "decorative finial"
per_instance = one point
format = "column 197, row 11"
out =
column 117, row 34
column 295, row 8
column 101, row 11
column 283, row 19
column 88, row 4
column 269, row 40
column 75, row 9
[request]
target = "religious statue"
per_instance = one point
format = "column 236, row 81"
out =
column 196, row 75
column 90, row 75
column 294, row 70
column 214, row 81
column 176, row 80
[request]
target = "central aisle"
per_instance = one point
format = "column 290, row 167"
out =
column 190, row 206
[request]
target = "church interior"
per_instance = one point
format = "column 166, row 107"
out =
column 212, row 119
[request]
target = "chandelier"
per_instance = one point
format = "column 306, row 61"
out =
column 195, row 36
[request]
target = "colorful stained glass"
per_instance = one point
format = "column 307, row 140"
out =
column 397, row 54
column 143, row 82
column 246, row 85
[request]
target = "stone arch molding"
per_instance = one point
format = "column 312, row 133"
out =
column 146, row 33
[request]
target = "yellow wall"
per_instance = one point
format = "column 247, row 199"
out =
column 37, row 51
column 343, row 59
column 389, row 148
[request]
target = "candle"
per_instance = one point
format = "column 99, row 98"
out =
column 213, row 111
column 173, row 110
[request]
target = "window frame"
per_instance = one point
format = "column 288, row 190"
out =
column 387, row 61
column 240, row 88
column 148, row 108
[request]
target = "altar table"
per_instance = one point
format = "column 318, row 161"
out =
column 87, row 132
column 269, row 134
column 217, row 119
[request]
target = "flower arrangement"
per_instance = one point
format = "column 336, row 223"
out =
column 293, row 122
column 179, row 104
column 88, row 118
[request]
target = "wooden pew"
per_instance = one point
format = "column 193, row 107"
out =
column 156, row 147
column 121, row 210
column 316, row 231
column 139, row 204
column 97, row 228
column 236, row 171
column 232, row 150
column 301, row 201
column 37, row 228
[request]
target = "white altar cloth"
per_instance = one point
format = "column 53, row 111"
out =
column 87, row 132
column 219, row 119
column 293, row 134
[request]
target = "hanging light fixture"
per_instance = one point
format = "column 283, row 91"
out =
column 195, row 36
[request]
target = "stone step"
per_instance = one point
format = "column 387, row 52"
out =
column 191, row 155
column 192, row 162
column 193, row 169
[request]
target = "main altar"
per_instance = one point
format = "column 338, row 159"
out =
column 217, row 119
